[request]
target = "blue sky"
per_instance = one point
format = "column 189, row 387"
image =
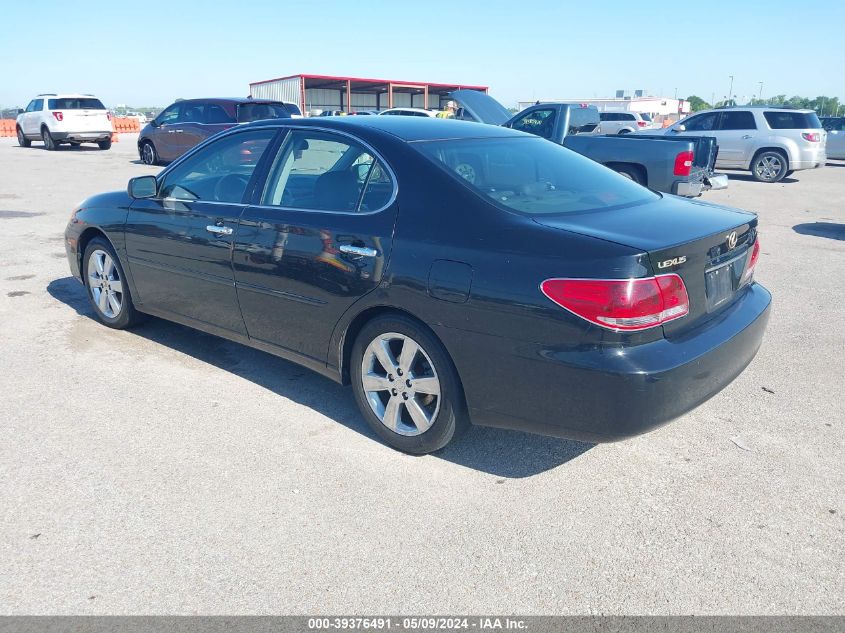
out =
column 151, row 52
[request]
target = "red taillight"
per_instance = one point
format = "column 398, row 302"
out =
column 683, row 163
column 59, row 116
column 642, row 123
column 752, row 262
column 621, row 304
column 813, row 137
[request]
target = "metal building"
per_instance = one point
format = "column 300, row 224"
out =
column 348, row 94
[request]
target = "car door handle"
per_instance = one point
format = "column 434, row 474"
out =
column 361, row 251
column 174, row 131
column 746, row 136
column 219, row 230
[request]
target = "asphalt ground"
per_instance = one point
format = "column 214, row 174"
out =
column 162, row 470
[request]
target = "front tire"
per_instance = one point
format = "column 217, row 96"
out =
column 406, row 386
column 49, row 143
column 149, row 156
column 769, row 166
column 107, row 287
column 22, row 140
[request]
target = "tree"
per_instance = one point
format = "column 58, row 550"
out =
column 696, row 103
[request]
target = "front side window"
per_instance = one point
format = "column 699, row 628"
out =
column 702, row 122
column 326, row 172
column 737, row 120
column 537, row 122
column 31, row 106
column 531, row 176
column 170, row 115
column 219, row 172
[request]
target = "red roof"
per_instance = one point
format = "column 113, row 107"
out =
column 371, row 81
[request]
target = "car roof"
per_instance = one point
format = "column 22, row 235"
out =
column 761, row 107
column 67, row 95
column 408, row 129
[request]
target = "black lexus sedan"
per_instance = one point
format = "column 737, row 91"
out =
column 452, row 272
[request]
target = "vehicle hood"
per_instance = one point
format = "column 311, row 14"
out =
column 482, row 106
column 107, row 200
column 665, row 222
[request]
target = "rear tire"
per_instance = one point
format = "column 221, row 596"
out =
column 49, row 143
column 630, row 172
column 22, row 140
column 624, row 132
column 769, row 166
column 413, row 398
column 104, row 144
column 107, row 287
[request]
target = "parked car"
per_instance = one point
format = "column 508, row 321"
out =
column 546, row 293
column 56, row 119
column 835, row 144
column 419, row 112
column 185, row 124
column 684, row 169
column 623, row 122
column 770, row 142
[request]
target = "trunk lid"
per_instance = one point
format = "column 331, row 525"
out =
column 708, row 246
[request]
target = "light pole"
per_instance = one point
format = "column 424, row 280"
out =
column 760, row 96
column 731, row 91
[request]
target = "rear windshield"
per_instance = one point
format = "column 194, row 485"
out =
column 75, row 103
column 533, row 176
column 258, row 111
column 645, row 116
column 792, row 120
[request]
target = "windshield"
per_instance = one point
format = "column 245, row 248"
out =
column 259, row 111
column 533, row 176
column 75, row 103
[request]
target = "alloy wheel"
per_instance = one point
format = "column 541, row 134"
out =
column 768, row 167
column 401, row 384
column 105, row 284
column 147, row 154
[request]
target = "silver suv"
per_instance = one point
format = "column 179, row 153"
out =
column 769, row 142
column 617, row 122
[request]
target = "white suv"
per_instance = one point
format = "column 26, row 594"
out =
column 768, row 141
column 67, row 118
column 618, row 122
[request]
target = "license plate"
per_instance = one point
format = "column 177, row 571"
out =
column 722, row 282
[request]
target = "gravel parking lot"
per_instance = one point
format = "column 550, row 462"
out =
column 163, row 470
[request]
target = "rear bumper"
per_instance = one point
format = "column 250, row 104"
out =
column 809, row 159
column 606, row 394
column 82, row 137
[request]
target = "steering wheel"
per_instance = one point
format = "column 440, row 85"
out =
column 228, row 185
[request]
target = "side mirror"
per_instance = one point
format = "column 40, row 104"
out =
column 142, row 187
column 20, row 110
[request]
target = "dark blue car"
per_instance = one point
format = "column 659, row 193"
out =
column 452, row 272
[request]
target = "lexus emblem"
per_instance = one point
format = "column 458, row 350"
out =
column 731, row 241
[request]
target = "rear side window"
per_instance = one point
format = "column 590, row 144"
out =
column 259, row 111
column 792, row 120
column 215, row 114
column 737, row 120
column 532, row 176
column 629, row 117
column 75, row 103
column 326, row 172
column 645, row 116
